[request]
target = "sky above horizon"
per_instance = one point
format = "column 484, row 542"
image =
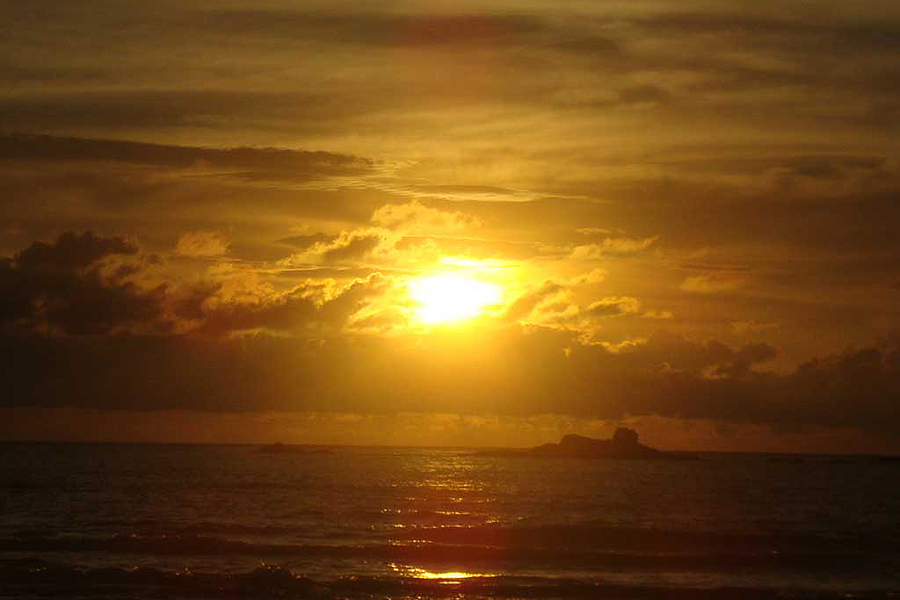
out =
column 491, row 224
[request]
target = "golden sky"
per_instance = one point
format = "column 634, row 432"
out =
column 487, row 224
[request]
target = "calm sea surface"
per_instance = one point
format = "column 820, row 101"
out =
column 170, row 521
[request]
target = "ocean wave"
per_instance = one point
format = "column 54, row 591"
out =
column 481, row 533
column 425, row 551
column 40, row 579
column 592, row 535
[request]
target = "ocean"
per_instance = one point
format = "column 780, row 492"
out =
column 232, row 521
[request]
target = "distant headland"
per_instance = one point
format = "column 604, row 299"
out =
column 623, row 445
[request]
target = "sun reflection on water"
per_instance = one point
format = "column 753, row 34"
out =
column 444, row 577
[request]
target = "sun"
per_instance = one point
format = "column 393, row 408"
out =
column 451, row 298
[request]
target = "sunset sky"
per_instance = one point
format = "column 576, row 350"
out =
column 487, row 224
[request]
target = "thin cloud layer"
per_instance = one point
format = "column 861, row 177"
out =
column 201, row 244
column 245, row 162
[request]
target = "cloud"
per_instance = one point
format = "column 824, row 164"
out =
column 593, row 231
column 613, row 307
column 551, row 304
column 63, row 287
column 306, row 240
column 741, row 327
column 710, row 284
column 243, row 162
column 350, row 245
column 347, row 247
column 508, row 371
column 71, row 252
column 200, row 244
column 79, row 285
column 643, row 94
column 791, row 187
column 593, row 276
column 523, row 306
column 307, row 306
column 612, row 247
column 100, row 111
column 415, row 217
column 401, row 233
column 373, row 29
column 658, row 314
column 76, row 289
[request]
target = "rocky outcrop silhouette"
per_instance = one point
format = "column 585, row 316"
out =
column 623, row 445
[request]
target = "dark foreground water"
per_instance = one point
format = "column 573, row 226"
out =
column 143, row 521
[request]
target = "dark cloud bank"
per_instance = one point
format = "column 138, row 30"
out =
column 62, row 287
column 78, row 331
column 251, row 163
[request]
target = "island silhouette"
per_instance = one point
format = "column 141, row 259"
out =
column 623, row 445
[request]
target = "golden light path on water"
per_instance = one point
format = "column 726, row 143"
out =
column 446, row 577
column 446, row 479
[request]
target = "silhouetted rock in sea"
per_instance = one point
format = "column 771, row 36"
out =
column 623, row 445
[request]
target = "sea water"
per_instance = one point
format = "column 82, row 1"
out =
column 173, row 521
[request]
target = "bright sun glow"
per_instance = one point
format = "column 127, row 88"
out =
column 451, row 297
